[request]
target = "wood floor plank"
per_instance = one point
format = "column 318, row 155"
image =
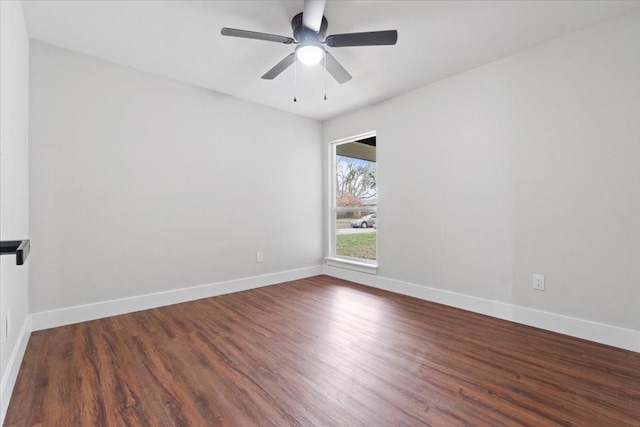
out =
column 319, row 352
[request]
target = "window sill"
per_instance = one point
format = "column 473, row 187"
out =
column 370, row 267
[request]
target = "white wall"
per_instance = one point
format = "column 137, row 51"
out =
column 528, row 165
column 14, row 225
column 140, row 184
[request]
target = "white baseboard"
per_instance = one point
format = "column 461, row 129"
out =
column 627, row 339
column 83, row 313
column 8, row 380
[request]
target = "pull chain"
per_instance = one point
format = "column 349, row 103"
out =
column 324, row 57
column 295, row 79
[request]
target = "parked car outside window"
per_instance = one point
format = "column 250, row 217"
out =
column 364, row 222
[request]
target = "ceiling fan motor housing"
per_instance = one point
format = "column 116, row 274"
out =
column 302, row 34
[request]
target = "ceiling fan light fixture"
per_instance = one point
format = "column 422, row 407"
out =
column 309, row 54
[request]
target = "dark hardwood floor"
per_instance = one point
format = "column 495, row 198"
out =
column 319, row 352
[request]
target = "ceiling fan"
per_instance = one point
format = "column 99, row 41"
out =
column 309, row 33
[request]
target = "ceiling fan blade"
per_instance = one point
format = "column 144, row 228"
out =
column 257, row 36
column 312, row 14
column 372, row 38
column 280, row 67
column 335, row 69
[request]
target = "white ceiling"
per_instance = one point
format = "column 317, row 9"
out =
column 436, row 39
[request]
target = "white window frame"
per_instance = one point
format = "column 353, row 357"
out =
column 357, row 264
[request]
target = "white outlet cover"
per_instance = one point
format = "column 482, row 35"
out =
column 538, row 282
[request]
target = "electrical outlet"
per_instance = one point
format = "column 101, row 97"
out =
column 258, row 256
column 538, row 282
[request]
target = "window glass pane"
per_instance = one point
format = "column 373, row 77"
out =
column 355, row 182
column 356, row 200
column 354, row 241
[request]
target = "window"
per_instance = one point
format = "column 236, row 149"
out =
column 354, row 203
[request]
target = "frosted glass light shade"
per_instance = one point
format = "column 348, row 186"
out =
column 309, row 54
